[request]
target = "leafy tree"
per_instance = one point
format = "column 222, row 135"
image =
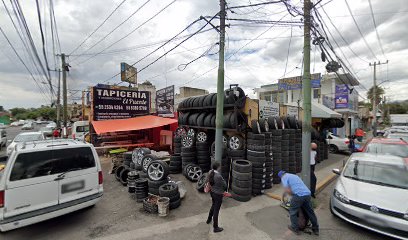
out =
column 379, row 91
column 16, row 111
column 1, row 109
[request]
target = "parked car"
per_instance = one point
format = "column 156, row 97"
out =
column 79, row 129
column 47, row 179
column 46, row 131
column 52, row 125
column 3, row 138
column 2, row 125
column 386, row 146
column 28, row 126
column 14, row 124
column 372, row 192
column 337, row 143
column 403, row 136
column 24, row 137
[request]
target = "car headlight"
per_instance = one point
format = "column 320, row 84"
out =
column 340, row 197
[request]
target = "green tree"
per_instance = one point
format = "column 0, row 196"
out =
column 379, row 91
column 1, row 109
column 17, row 111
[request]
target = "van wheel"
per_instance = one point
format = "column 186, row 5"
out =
column 333, row 148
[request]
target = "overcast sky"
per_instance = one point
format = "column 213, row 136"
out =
column 256, row 54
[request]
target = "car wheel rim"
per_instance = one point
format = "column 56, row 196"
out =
column 140, row 156
column 187, row 141
column 155, row 171
column 194, row 173
column 134, row 156
column 234, row 143
column 180, row 132
column 146, row 163
column 191, row 132
column 224, row 140
column 202, row 137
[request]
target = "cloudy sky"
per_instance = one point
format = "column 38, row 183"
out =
column 256, row 54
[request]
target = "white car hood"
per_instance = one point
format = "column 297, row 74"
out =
column 394, row 199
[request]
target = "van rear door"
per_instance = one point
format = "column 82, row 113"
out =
column 81, row 175
column 32, row 184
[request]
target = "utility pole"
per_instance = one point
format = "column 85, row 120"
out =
column 59, row 100
column 219, row 117
column 374, row 93
column 307, row 100
column 64, row 89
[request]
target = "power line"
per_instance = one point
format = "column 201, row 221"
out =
column 253, row 5
column 135, row 29
column 359, row 30
column 97, row 28
column 287, row 55
column 375, row 26
column 114, row 29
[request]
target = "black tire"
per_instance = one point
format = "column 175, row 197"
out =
column 124, row 175
column 214, row 100
column 279, row 122
column 258, row 170
column 200, row 119
column 259, row 175
column 264, row 125
column 272, row 123
column 202, row 146
column 254, row 147
column 207, row 120
column 207, row 100
column 169, row 190
column 188, row 149
column 254, row 136
column 201, row 101
column 229, row 97
column 159, row 165
column 242, row 166
column 201, row 182
column 256, row 142
column 233, row 120
column 156, row 184
column 241, row 191
column 333, row 148
column 242, row 184
column 285, row 122
column 147, row 159
column 227, row 123
column 241, row 176
column 175, row 204
column 255, row 127
column 235, row 142
column 213, row 121
column 256, row 153
column 241, row 198
column 118, row 171
column 292, row 122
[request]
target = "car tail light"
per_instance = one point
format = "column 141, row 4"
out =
column 100, row 177
column 2, row 199
column 347, row 142
column 73, row 136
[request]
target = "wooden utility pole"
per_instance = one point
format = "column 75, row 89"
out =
column 219, row 119
column 64, row 89
column 59, row 100
column 374, row 94
column 307, row 101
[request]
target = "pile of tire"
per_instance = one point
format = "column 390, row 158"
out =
column 127, row 158
column 171, row 191
column 131, row 181
column 157, row 172
column 298, row 150
column 121, row 174
column 141, row 157
column 235, row 150
column 175, row 165
column 241, row 186
column 268, row 160
column 285, row 150
column 192, row 172
column 292, row 150
column 203, row 151
column 276, row 153
column 188, row 151
column 256, row 155
column 207, row 119
column 141, row 189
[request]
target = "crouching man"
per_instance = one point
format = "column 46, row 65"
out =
column 301, row 198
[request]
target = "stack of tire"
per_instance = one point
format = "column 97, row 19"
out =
column 235, row 150
column 256, row 155
column 131, row 181
column 203, row 151
column 121, row 174
column 285, row 150
column 298, row 150
column 276, row 153
column 268, row 160
column 127, row 158
column 137, row 157
column 175, row 165
column 171, row 191
column 188, row 151
column 141, row 189
column 157, row 172
column 292, row 150
column 207, row 119
column 241, row 186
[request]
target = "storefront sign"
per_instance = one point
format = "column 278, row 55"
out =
column 165, row 102
column 268, row 109
column 293, row 111
column 128, row 73
column 118, row 103
column 341, row 98
column 294, row 83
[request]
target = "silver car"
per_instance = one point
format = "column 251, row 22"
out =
column 372, row 192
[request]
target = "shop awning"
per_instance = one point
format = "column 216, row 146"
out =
column 131, row 124
column 321, row 111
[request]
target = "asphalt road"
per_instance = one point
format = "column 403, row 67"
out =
column 12, row 132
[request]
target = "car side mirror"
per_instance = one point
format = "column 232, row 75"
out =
column 336, row 171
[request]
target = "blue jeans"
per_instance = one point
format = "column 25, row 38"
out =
column 304, row 202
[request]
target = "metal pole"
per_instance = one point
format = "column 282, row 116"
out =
column 375, row 101
column 307, row 99
column 219, row 120
column 59, row 100
column 64, row 90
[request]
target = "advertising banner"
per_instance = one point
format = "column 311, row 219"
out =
column 128, row 73
column 111, row 104
column 293, row 111
column 294, row 83
column 165, row 102
column 268, row 109
column 341, row 96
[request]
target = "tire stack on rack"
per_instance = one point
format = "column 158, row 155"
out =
column 157, row 172
column 188, row 151
column 256, row 155
column 225, row 162
column 292, row 150
column 276, row 146
column 235, row 150
column 171, row 191
column 141, row 189
column 298, row 150
column 285, row 150
column 241, row 186
column 268, row 160
column 203, row 151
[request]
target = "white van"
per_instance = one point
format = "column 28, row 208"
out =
column 79, row 129
column 47, row 179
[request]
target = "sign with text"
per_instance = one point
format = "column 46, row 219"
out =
column 294, row 83
column 341, row 97
column 128, row 73
column 118, row 104
column 165, row 101
column 293, row 111
column 268, row 109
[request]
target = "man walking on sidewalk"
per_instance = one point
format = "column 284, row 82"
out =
column 294, row 186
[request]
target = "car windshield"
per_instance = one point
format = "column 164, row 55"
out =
column 82, row 128
column 400, row 150
column 28, row 137
column 378, row 173
column 45, row 129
